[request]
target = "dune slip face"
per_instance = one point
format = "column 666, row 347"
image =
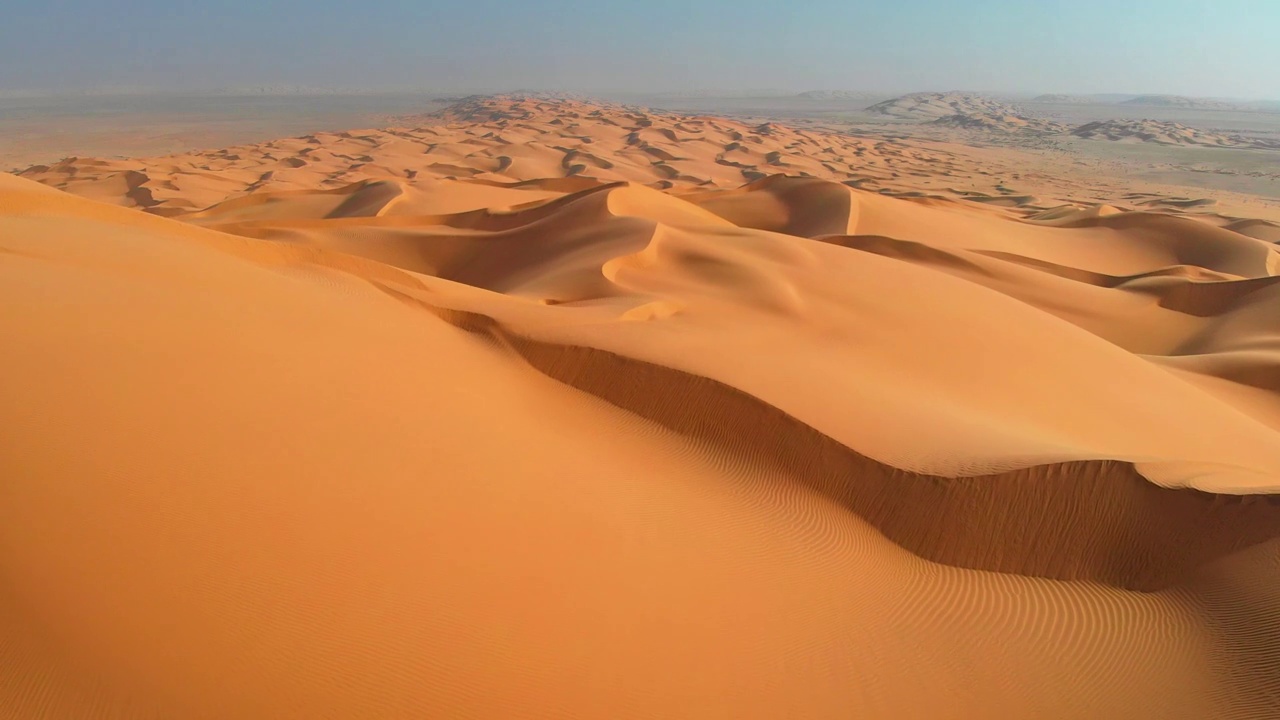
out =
column 538, row 407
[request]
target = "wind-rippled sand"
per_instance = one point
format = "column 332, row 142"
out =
column 553, row 410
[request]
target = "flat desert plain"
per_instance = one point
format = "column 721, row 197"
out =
column 542, row 408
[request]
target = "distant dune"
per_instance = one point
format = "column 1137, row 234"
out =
column 542, row 408
column 1065, row 99
column 509, row 141
column 837, row 95
column 1165, row 133
column 1003, row 123
column 1180, row 102
column 1168, row 101
column 929, row 106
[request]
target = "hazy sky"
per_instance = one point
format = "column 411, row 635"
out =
column 1190, row 47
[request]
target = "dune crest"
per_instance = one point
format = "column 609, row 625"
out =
column 540, row 408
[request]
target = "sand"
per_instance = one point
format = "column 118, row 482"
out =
column 1179, row 101
column 925, row 106
column 582, row 412
column 1165, row 133
column 1000, row 123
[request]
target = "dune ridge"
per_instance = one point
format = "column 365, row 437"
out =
column 379, row 423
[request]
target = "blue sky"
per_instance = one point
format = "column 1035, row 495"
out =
column 1193, row 47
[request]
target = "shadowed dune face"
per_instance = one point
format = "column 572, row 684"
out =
column 624, row 441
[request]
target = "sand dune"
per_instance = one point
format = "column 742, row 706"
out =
column 1163, row 133
column 1005, row 123
column 1169, row 101
column 540, row 408
column 927, row 106
column 1061, row 98
column 836, row 95
column 504, row 142
column 1180, row 101
column 563, row 144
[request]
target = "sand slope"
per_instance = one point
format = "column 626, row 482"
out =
column 515, row 446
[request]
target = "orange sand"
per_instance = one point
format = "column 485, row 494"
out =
column 609, row 433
